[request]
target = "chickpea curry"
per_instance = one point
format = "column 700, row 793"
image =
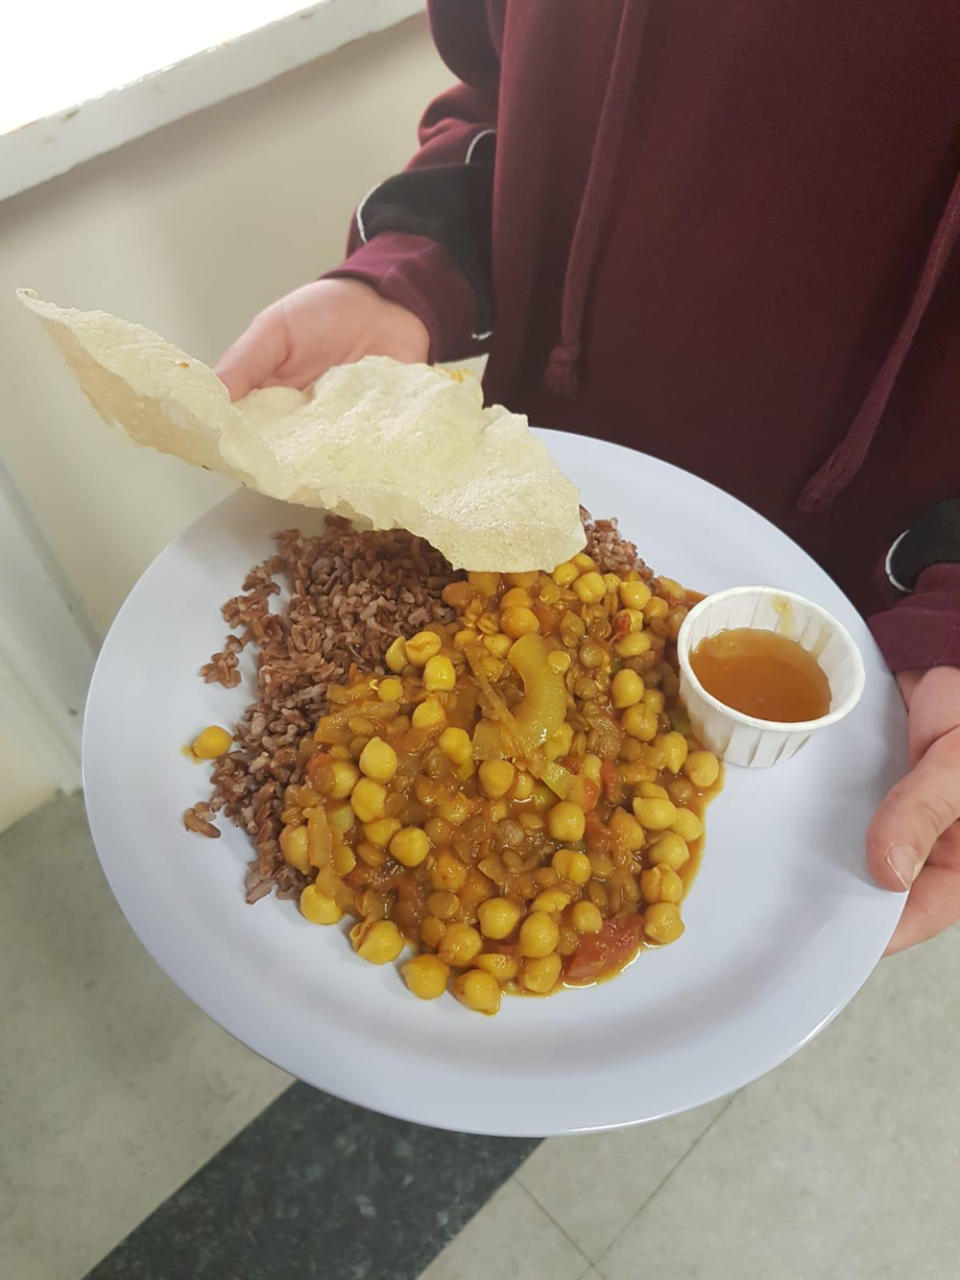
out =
column 520, row 802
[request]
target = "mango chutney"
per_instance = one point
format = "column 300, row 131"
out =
column 762, row 674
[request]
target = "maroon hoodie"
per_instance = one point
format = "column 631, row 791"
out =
column 720, row 233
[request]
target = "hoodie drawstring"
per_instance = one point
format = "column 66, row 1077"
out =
column 850, row 454
column 561, row 372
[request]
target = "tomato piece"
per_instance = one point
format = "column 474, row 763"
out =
column 320, row 771
column 611, row 781
column 600, row 955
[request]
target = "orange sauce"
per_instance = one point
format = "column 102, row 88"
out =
column 762, row 674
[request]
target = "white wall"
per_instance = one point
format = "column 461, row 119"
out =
column 188, row 231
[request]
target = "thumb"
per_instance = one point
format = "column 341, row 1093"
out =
column 915, row 814
column 259, row 350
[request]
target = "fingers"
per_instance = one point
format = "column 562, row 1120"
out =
column 255, row 355
column 933, row 905
column 914, row 815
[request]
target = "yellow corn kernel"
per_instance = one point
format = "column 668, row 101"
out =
column 317, row 907
column 632, row 645
column 674, row 748
column 670, row 850
column 382, row 831
column 496, row 777
column 591, row 766
column 586, row 917
column 565, row 573
column 390, row 689
column 566, row 822
column 523, row 786
column 487, row 584
column 656, row 813
column 379, row 942
column 702, row 768
column 626, row 689
column 572, row 865
column 438, row 674
column 552, row 901
column 422, row 647
column 410, row 846
column 688, row 825
column 634, row 595
column 455, row 744
column 426, row 976
column 662, row 923
column 459, row 945
column 590, row 587
column 378, row 760
column 539, row 935
column 211, row 743
column 640, row 722
column 558, row 660
column 515, row 598
column 502, row 967
column 498, row 645
column 295, row 845
column 498, row 917
column 396, row 655
column 341, row 817
column 541, row 975
column 428, row 715
column 627, row 830
column 478, row 990
column 344, row 774
column 517, row 622
column 368, row 799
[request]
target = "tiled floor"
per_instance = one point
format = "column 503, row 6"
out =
column 114, row 1089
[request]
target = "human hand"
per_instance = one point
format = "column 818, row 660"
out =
column 914, row 839
column 299, row 337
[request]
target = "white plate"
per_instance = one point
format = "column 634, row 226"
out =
column 783, row 920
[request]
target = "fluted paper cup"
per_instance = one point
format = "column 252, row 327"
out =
column 747, row 740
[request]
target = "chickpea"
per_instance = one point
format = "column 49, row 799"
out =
column 558, row 660
column 211, row 743
column 583, row 561
column 591, row 767
column 627, row 830
column 662, row 923
column 552, row 901
column 632, row 645
column 456, row 810
column 503, row 968
column 590, row 587
column 381, row 831
column 478, row 990
column 438, row 674
column 573, row 866
column 640, row 722
column 655, row 608
column 488, row 584
column 390, row 689
column 432, row 930
column 368, row 799
column 702, row 768
column 670, row 850
column 655, row 700
column 498, row 917
column 426, row 976
column 456, row 744
column 626, row 689
column 634, row 595
column 653, row 791
column 566, row 573
column 443, row 904
column 459, row 945
column 496, row 777
column 518, row 622
column 586, row 918
column 656, row 814
column 674, row 748
column 422, row 647
column 447, row 872
column 498, row 645
column 523, row 786
column 541, row 975
column 515, row 598
column 317, row 907
column 396, row 655
column 295, row 847
column 688, row 825
column 539, row 935
column 428, row 715
column 566, row 822
column 379, row 942
column 410, row 846
column 378, row 760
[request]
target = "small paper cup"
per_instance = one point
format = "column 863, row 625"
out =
column 747, row 740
